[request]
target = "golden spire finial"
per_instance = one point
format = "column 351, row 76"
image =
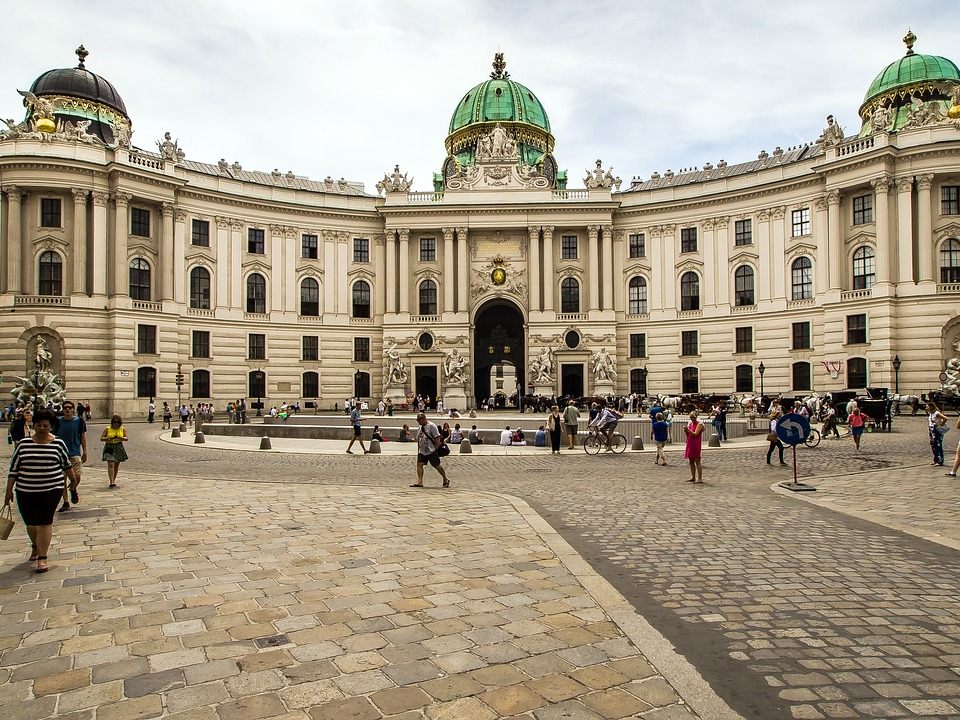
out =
column 909, row 39
column 499, row 67
column 82, row 54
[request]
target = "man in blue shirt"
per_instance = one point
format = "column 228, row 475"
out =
column 661, row 431
column 73, row 432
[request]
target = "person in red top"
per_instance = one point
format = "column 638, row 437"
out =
column 694, row 447
column 856, row 422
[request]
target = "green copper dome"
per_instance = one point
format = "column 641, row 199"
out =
column 911, row 69
column 499, row 99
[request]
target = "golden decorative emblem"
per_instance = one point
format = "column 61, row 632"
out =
column 498, row 276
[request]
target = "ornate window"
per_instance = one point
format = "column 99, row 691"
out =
column 802, row 374
column 200, row 384
column 857, row 373
column 51, row 274
column 801, row 279
column 146, row 382
column 744, row 378
column 310, row 385
column 200, row 288
column 256, row 294
column 569, row 295
column 689, row 380
column 139, row 279
column 689, row 291
column 864, row 268
column 950, row 261
column 361, row 299
column 637, row 296
column 428, row 297
column 310, row 297
column 743, row 286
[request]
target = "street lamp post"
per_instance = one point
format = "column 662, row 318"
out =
column 896, row 371
column 761, row 369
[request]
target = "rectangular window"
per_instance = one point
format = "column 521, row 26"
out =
column 255, row 241
column 428, row 249
column 856, row 329
column 801, row 376
column 308, row 247
column 147, row 339
column 950, row 200
column 200, row 344
column 688, row 240
column 311, row 347
column 361, row 250
column 638, row 245
column 200, row 233
column 744, row 339
column 568, row 247
column 638, row 345
column 800, row 222
column 688, row 342
column 50, row 214
column 743, row 232
column 863, row 209
column 256, row 346
column 801, row 336
column 361, row 349
column 140, row 222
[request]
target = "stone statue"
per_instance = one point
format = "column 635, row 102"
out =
column 396, row 182
column 597, row 178
column 79, row 131
column 122, row 134
column 952, row 371
column 881, row 118
column 222, row 165
column 396, row 367
column 924, row 113
column 832, row 134
column 170, row 149
column 44, row 385
column 603, row 368
column 38, row 108
column 497, row 144
column 454, row 368
column 541, row 369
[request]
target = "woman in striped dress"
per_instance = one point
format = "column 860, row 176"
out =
column 37, row 470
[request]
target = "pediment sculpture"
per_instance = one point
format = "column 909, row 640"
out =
column 395, row 182
column 597, row 178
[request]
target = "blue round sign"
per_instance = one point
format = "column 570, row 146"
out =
column 793, row 429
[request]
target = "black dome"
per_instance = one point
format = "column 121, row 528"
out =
column 80, row 83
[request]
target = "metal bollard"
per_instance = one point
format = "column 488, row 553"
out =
column 175, row 433
column 637, row 443
column 714, row 441
column 198, row 438
column 183, row 427
column 374, row 447
column 465, row 446
column 265, row 443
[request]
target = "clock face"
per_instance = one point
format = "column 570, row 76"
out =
column 499, row 276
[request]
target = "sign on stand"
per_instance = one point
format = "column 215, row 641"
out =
column 793, row 430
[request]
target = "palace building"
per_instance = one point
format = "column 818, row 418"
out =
column 822, row 263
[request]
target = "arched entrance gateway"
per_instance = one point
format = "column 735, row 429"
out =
column 498, row 352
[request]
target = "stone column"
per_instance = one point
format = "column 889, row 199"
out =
column 709, row 289
column 722, row 259
column 291, row 289
column 835, row 237
column 218, row 283
column 670, row 277
column 927, row 271
column 881, row 185
column 549, row 277
column 593, row 267
column 179, row 256
column 766, row 259
column 822, row 264
column 905, row 229
column 344, row 306
column 404, row 280
column 463, row 270
column 619, row 304
column 98, row 258
column 606, row 275
column 330, row 278
column 390, row 248
column 533, row 267
column 230, row 269
column 14, row 258
column 80, row 241
column 276, row 280
column 778, row 281
column 448, row 278
column 121, row 271
column 656, row 294
column 378, row 248
column 166, row 252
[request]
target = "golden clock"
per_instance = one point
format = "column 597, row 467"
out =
column 498, row 276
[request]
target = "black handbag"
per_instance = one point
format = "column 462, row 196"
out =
column 443, row 450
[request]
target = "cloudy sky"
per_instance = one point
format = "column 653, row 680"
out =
column 348, row 89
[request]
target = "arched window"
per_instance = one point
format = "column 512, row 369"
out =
column 51, row 274
column 361, row 299
column 139, row 279
column 743, row 286
column 744, row 378
column 802, row 376
column 256, row 294
column 200, row 384
column 257, row 383
column 310, row 297
column 801, row 278
column 310, row 385
column 690, row 380
column 569, row 295
column 638, row 381
column 146, row 382
column 689, row 291
column 950, row 261
column 361, row 384
column 637, row 296
column 864, row 268
column 200, row 288
column 428, row 297
column 856, row 373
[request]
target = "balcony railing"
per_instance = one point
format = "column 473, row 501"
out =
column 791, row 304
column 689, row 313
column 256, row 317
column 638, row 317
column 361, row 321
column 424, row 197
column 948, row 288
column 856, row 294
column 425, row 319
column 146, row 305
column 40, row 300
column 855, row 146
column 314, row 319
column 571, row 195
column 743, row 309
column 143, row 161
column 197, row 312
column 572, row 317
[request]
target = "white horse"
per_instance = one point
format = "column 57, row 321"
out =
column 911, row 401
column 669, row 402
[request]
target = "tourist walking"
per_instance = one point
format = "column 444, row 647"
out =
column 113, row 437
column 37, row 468
column 429, row 443
column 21, row 426
column 937, row 427
column 694, row 449
column 956, row 457
column 73, row 433
column 167, row 417
column 555, row 423
column 571, row 421
column 356, row 419
column 830, row 421
column 856, row 422
column 660, row 431
column 773, row 438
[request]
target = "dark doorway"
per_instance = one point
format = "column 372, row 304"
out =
column 425, row 378
column 571, row 379
column 497, row 338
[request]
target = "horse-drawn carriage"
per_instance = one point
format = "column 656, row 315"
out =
column 946, row 401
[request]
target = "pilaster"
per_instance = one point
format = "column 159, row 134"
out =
column 881, row 187
column 166, row 252
column 404, row 281
column 179, row 255
column 905, row 229
column 79, row 248
column 463, row 271
column 549, row 277
column 607, row 267
column 927, row 272
column 533, row 267
column 121, row 202
column 835, row 238
column 593, row 267
column 98, row 259
column 14, row 257
column 448, row 278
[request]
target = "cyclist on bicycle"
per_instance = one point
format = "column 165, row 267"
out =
column 606, row 422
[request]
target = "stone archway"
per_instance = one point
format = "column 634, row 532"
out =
column 498, row 339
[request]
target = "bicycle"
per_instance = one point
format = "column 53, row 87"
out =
column 813, row 439
column 596, row 441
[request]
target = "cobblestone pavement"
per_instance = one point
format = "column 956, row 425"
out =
column 788, row 609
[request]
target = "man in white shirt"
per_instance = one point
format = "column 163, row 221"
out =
column 429, row 443
column 506, row 437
